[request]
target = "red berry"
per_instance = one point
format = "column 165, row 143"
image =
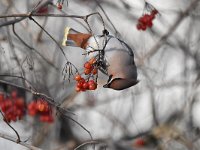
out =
column 92, row 86
column 86, row 85
column 145, row 18
column 150, row 24
column 59, row 6
column 80, row 84
column 141, row 19
column 32, row 112
column 20, row 102
column 87, row 65
column 87, row 71
column 32, row 106
column 19, row 112
column 92, row 61
column 78, row 89
column 42, row 106
column 78, row 77
column 82, row 80
column 143, row 27
column 8, row 103
column 91, row 82
column 94, row 71
column 14, row 94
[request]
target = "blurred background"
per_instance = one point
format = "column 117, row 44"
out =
column 160, row 112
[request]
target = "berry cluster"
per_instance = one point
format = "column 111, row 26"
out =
column 90, row 70
column 146, row 20
column 90, row 67
column 42, row 109
column 12, row 106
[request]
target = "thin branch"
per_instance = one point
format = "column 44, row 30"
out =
column 49, row 36
column 26, row 15
column 116, row 32
column 12, row 22
column 87, row 143
column 7, row 137
column 80, row 126
column 31, row 48
column 22, row 18
column 20, row 77
column 5, row 120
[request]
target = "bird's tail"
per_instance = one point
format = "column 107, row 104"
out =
column 75, row 38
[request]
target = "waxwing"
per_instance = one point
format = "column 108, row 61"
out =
column 118, row 57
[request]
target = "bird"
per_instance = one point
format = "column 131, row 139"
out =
column 116, row 56
column 121, row 66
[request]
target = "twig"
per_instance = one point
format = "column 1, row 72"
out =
column 5, row 120
column 26, row 15
column 31, row 48
column 22, row 18
column 20, row 77
column 87, row 143
column 49, row 36
column 7, row 137
column 80, row 125
column 116, row 32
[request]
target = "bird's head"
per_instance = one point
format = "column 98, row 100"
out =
column 120, row 84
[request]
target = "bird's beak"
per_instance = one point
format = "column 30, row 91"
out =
column 106, row 86
column 120, row 84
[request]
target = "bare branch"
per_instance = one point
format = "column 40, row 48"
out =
column 7, row 137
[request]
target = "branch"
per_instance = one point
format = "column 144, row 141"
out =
column 87, row 143
column 26, row 15
column 22, row 18
column 31, row 48
column 7, row 137
column 5, row 120
column 49, row 36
